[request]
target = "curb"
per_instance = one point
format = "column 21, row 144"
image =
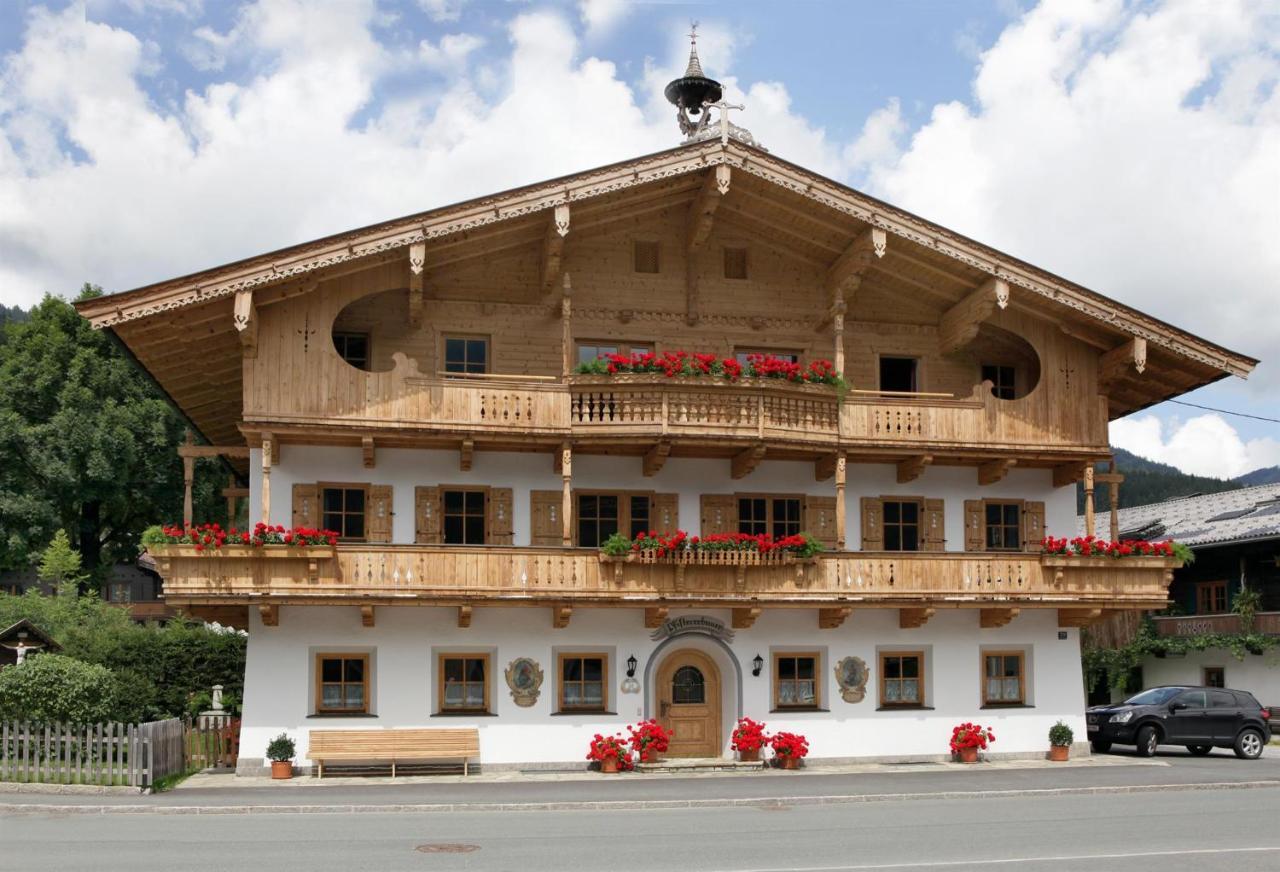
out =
column 614, row 805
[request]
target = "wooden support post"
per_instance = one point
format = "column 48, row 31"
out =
column 268, row 456
column 654, row 616
column 560, row 615
column 231, row 493
column 841, row 469
column 959, row 325
column 1113, row 492
column 1088, row 500
column 366, row 616
column 837, row 329
column 553, row 246
column 911, row 468
column 911, row 619
column 994, row 470
column 743, row 618
column 830, row 618
column 566, row 328
column 992, row 618
column 417, row 263
column 188, row 478
column 745, row 461
column 566, row 501
column 464, row 616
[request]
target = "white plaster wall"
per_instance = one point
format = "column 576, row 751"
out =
column 405, row 469
column 1257, row 673
column 279, row 681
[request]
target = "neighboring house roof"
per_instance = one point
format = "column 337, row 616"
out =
column 1244, row 515
column 10, row 635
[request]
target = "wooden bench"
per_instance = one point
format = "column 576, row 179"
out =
column 394, row 746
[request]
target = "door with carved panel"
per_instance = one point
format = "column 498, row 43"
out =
column 688, row 697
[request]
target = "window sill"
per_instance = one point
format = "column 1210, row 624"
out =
column 464, row 715
column 340, row 715
column 799, row 710
column 1005, row 705
column 905, row 708
column 587, row 712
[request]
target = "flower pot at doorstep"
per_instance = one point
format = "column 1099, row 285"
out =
column 968, row 755
column 752, row 756
column 609, row 765
column 1059, row 753
column 790, row 762
column 281, row 769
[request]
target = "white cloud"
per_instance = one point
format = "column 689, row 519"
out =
column 1132, row 148
column 601, row 16
column 879, row 143
column 1203, row 445
column 443, row 10
column 451, row 53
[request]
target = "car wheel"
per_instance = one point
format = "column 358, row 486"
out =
column 1200, row 750
column 1148, row 741
column 1249, row 745
column 1100, row 746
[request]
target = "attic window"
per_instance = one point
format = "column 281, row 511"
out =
column 353, row 348
column 735, row 263
column 646, row 256
column 1232, row 515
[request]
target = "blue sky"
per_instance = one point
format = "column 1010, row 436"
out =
column 1131, row 146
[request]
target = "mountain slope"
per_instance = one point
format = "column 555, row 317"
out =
column 1146, row 481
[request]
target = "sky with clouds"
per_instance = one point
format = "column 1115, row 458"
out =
column 1133, row 147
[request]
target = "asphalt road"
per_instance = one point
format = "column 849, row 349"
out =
column 1174, row 831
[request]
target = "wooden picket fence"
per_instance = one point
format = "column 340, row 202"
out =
column 134, row 755
column 212, row 747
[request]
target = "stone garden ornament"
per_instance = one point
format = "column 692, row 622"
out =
column 851, row 675
column 524, row 677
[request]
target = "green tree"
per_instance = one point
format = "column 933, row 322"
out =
column 50, row 687
column 86, row 443
column 60, row 565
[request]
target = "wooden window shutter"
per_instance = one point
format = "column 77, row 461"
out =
column 975, row 526
column 544, row 512
column 426, row 516
column 666, row 513
column 378, row 512
column 306, row 505
column 1033, row 526
column 498, row 528
column 719, row 514
column 872, row 524
column 820, row 519
column 934, row 536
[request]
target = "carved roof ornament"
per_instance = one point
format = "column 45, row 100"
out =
column 694, row 95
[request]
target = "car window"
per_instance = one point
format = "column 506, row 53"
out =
column 1155, row 696
column 1193, row 699
column 1222, row 699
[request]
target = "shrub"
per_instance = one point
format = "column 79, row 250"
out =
column 1060, row 735
column 281, row 749
column 50, row 687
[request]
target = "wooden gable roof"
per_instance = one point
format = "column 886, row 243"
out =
column 182, row 330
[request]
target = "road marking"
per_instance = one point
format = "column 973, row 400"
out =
column 1008, row 861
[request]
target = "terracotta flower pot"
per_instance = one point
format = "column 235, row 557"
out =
column 968, row 755
column 1059, row 753
column 609, row 765
column 752, row 756
column 281, row 769
column 790, row 762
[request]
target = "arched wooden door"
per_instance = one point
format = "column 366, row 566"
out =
column 688, row 698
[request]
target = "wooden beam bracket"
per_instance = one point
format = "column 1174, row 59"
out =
column 464, row 616
column 959, row 325
column 270, row 614
column 844, row 276
column 553, row 246
column 744, row 618
column 914, row 618
column 1066, row 474
column 994, row 470
column 654, row 616
column 560, row 615
column 746, row 460
column 245, row 317
column 912, row 468
column 830, row 618
column 655, row 458
column 369, row 452
column 466, row 453
column 367, row 616
column 996, row 617
column 417, row 263
column 1124, row 360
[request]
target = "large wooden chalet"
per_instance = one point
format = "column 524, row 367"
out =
column 413, row 386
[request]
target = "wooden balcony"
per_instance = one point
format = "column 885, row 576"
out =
column 1198, row 625
column 463, row 575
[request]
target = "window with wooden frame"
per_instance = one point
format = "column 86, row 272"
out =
column 1003, row 521
column 902, row 518
column 899, row 374
column 453, row 514
column 1003, row 380
column 743, row 354
column 342, row 683
column 767, row 514
column 645, row 256
column 1003, row 678
column 903, row 523
column 466, row 355
column 120, row 592
column 795, row 680
column 343, row 509
column 353, row 348
column 464, row 683
column 600, row 514
column 584, row 682
column 463, row 513
column 1211, row 598
column 901, row 678
column 590, row 349
column 1213, row 676
column 735, row 262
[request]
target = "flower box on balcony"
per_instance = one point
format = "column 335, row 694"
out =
column 711, row 558
column 642, row 379
column 276, row 552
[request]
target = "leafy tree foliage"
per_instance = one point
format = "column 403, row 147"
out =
column 86, row 443
column 51, row 688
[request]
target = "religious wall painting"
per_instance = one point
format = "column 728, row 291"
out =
column 851, row 675
column 524, row 677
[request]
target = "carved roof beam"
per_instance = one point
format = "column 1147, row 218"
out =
column 994, row 470
column 911, row 468
column 703, row 211
column 1123, row 361
column 655, row 458
column 959, row 324
column 744, row 618
column 553, row 246
column 745, row 461
column 245, row 317
column 845, row 274
column 993, row 618
column 417, row 264
column 913, row 619
column 830, row 618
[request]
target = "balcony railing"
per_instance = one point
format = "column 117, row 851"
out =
column 513, row 575
column 1198, row 625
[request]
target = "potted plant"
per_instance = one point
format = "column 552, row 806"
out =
column 649, row 739
column 611, row 752
column 748, row 738
column 789, row 749
column 1060, row 739
column 968, row 739
column 280, row 753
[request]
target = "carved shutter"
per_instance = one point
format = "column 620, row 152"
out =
column 820, row 519
column 306, row 505
column 1033, row 526
column 498, row 524
column 544, row 511
column 426, row 516
column 377, row 514
column 872, row 524
column 666, row 513
column 975, row 526
column 934, row 536
column 719, row 514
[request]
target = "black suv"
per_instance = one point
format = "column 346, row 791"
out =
column 1202, row 718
